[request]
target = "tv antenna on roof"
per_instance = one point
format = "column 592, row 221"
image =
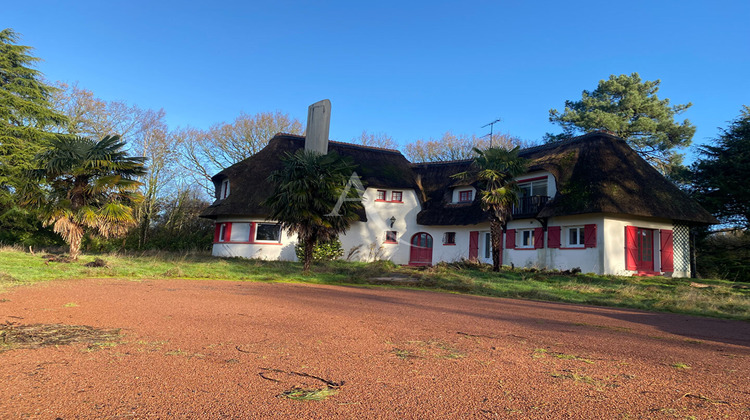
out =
column 492, row 125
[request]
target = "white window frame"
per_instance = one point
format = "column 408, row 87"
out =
column 580, row 236
column 224, row 191
column 521, row 233
column 222, row 232
column 257, row 226
column 531, row 184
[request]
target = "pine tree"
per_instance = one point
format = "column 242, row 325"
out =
column 26, row 116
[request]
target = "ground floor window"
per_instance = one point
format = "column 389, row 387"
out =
column 487, row 245
column 268, row 232
column 391, row 236
column 527, row 238
column 575, row 236
column 449, row 238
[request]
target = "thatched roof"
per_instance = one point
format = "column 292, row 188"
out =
column 595, row 173
column 248, row 179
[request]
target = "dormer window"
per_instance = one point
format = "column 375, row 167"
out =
column 224, row 191
column 465, row 196
column 396, row 196
column 381, row 195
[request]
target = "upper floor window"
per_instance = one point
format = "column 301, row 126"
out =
column 268, row 232
column 224, row 191
column 536, row 187
column 381, row 195
column 396, row 196
column 465, row 196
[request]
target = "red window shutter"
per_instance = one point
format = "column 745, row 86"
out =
column 510, row 238
column 228, row 233
column 589, row 236
column 538, row 238
column 631, row 247
column 553, row 236
column 217, row 230
column 473, row 245
column 667, row 250
column 252, row 233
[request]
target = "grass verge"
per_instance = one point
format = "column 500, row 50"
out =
column 715, row 298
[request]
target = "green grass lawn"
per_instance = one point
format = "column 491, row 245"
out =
column 716, row 298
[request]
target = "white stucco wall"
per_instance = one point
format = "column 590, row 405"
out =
column 589, row 260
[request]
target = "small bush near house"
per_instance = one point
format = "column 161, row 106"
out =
column 324, row 251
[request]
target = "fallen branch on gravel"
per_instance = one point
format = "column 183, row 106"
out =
column 303, row 374
column 701, row 397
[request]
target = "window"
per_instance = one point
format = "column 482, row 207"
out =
column 391, row 236
column 381, row 195
column 449, row 238
column 224, row 191
column 268, row 232
column 533, row 188
column 575, row 236
column 396, row 196
column 527, row 238
column 464, row 196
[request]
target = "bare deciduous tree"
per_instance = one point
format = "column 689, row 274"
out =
column 452, row 147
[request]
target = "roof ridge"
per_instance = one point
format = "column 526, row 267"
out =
column 343, row 143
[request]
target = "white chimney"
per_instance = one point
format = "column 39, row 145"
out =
column 318, row 124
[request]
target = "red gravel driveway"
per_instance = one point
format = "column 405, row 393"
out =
column 219, row 349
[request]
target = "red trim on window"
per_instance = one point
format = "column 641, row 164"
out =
column 667, row 250
column 631, row 247
column 539, row 178
column 473, row 245
column 538, row 238
column 217, row 230
column 589, row 236
column 553, row 236
column 465, row 196
column 228, row 232
column 391, row 241
column 251, row 237
column 510, row 239
column 400, row 195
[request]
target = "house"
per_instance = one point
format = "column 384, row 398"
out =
column 589, row 202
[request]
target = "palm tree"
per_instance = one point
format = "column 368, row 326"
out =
column 495, row 170
column 86, row 186
column 307, row 191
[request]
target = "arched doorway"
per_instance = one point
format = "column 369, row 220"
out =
column 420, row 252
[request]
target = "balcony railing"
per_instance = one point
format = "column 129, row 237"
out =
column 529, row 206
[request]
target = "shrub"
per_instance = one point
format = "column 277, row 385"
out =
column 322, row 251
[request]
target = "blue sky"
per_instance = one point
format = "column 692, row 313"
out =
column 408, row 69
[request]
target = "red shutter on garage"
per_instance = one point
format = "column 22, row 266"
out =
column 510, row 238
column 631, row 247
column 473, row 245
column 538, row 238
column 589, row 236
column 553, row 236
column 217, row 230
column 667, row 250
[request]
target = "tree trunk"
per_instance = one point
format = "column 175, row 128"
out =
column 75, row 247
column 309, row 245
column 496, row 237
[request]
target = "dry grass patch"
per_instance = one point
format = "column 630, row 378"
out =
column 20, row 336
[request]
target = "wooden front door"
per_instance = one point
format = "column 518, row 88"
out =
column 420, row 252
